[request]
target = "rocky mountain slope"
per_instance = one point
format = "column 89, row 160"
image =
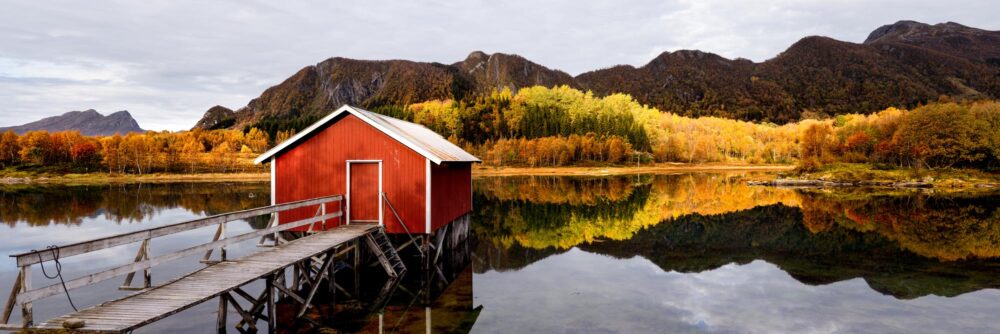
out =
column 88, row 122
column 901, row 64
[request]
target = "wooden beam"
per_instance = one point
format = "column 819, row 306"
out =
column 289, row 293
column 141, row 254
column 33, row 257
column 314, row 285
column 271, row 312
column 218, row 234
column 220, row 320
column 12, row 299
column 27, row 315
column 54, row 289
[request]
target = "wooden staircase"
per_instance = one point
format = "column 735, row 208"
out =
column 379, row 242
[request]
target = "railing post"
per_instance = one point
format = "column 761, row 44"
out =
column 322, row 212
column 147, row 274
column 140, row 255
column 340, row 203
column 222, row 235
column 27, row 316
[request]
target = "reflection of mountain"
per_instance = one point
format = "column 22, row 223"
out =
column 494, row 257
column 54, row 204
column 775, row 234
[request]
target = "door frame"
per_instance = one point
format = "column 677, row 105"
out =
column 347, row 189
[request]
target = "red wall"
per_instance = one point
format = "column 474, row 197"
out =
column 316, row 167
column 451, row 192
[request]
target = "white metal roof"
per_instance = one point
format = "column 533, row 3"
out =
column 415, row 136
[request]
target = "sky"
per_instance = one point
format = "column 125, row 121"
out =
column 166, row 62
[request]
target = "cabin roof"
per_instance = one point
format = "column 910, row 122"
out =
column 420, row 139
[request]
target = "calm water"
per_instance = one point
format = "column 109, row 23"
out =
column 629, row 254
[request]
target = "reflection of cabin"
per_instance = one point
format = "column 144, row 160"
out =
column 375, row 161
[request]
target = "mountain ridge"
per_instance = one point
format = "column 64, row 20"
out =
column 901, row 64
column 89, row 122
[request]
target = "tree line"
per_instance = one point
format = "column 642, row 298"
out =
column 193, row 151
column 937, row 135
column 539, row 126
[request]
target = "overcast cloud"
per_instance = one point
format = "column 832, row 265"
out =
column 169, row 61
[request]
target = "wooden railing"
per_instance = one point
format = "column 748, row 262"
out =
column 22, row 292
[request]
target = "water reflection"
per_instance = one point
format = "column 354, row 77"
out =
column 572, row 211
column 699, row 252
column 40, row 205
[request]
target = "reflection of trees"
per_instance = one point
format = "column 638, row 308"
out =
column 774, row 233
column 946, row 226
column 53, row 204
column 541, row 212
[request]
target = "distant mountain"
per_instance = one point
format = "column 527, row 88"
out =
column 88, row 122
column 901, row 64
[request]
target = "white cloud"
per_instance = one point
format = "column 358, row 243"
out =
column 578, row 291
column 167, row 62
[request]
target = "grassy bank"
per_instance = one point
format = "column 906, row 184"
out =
column 105, row 178
column 480, row 170
column 866, row 174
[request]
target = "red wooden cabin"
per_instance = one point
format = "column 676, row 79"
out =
column 373, row 159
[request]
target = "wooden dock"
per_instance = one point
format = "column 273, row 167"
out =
column 309, row 259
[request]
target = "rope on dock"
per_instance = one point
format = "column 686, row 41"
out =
column 55, row 258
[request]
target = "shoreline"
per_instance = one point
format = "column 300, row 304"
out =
column 482, row 171
column 103, row 178
column 848, row 175
column 477, row 171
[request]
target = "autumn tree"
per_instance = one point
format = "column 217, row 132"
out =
column 111, row 154
column 9, row 149
column 283, row 136
column 940, row 135
column 33, row 146
column 85, row 153
column 256, row 140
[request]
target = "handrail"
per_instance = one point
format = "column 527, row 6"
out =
column 57, row 288
column 400, row 220
column 23, row 294
column 33, row 257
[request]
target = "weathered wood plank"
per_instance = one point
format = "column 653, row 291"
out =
column 150, row 305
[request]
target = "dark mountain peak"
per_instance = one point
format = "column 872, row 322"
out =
column 89, row 122
column 899, row 27
column 688, row 54
column 816, row 42
column 476, row 56
column 949, row 38
column 688, row 57
column 217, row 117
column 818, row 47
column 954, row 25
column 120, row 114
column 501, row 70
column 480, row 61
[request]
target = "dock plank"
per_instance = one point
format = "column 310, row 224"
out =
column 147, row 306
